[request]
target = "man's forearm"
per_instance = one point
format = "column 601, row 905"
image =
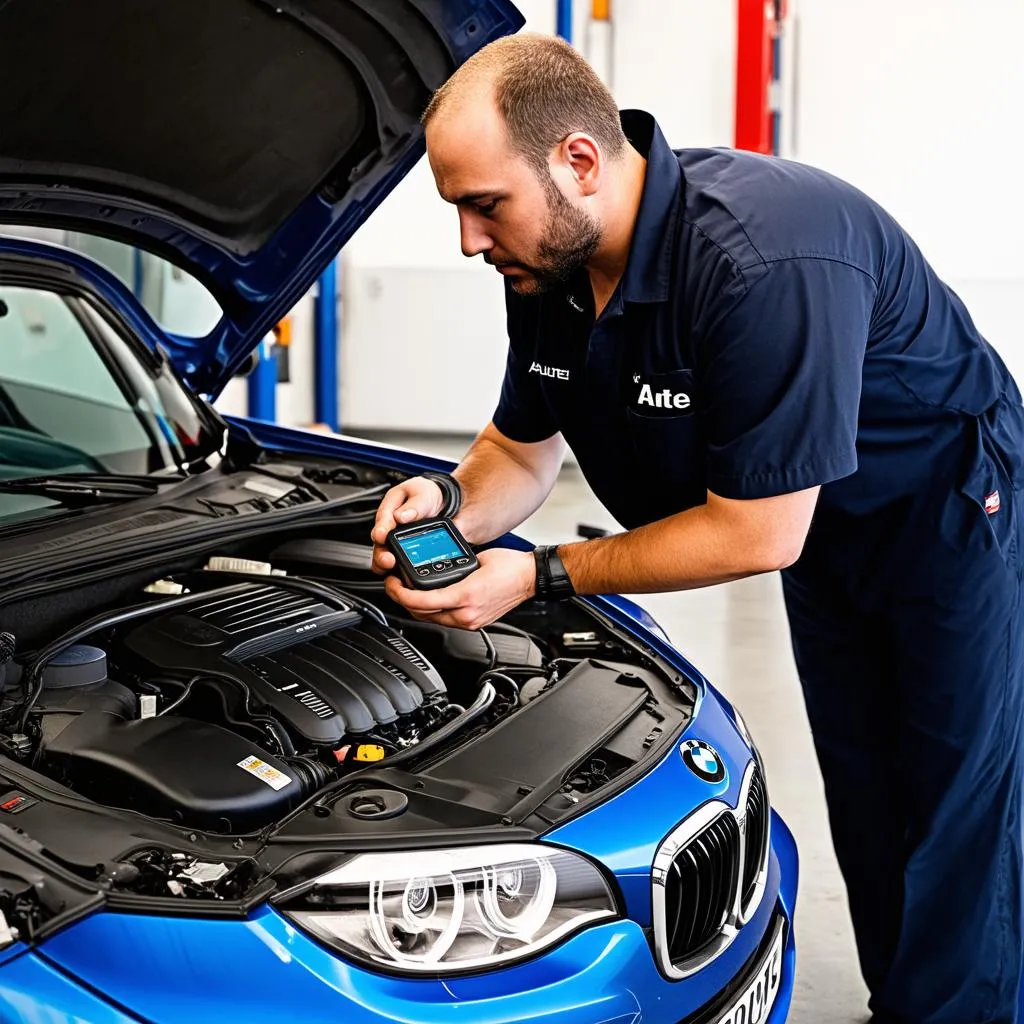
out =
column 503, row 483
column 713, row 543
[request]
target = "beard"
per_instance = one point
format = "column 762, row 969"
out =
column 571, row 236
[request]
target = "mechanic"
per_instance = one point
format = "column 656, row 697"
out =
column 757, row 370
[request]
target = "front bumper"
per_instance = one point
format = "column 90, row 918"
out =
column 179, row 971
column 615, row 984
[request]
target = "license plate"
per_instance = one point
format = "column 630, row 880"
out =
column 754, row 1005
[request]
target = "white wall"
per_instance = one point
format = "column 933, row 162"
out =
column 920, row 103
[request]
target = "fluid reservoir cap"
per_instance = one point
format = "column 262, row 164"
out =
column 373, row 804
column 79, row 665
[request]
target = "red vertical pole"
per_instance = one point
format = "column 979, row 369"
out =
column 757, row 29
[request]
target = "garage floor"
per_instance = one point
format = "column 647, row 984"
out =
column 737, row 635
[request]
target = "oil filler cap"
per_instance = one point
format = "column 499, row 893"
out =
column 377, row 804
column 77, row 666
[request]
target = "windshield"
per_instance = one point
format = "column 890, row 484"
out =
column 173, row 298
column 75, row 396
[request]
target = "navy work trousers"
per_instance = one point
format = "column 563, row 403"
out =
column 909, row 641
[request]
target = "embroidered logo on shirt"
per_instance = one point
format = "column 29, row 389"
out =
column 992, row 505
column 549, row 371
column 571, row 299
column 663, row 399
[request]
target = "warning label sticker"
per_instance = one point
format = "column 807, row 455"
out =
column 264, row 772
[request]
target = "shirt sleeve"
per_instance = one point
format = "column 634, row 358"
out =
column 780, row 369
column 522, row 413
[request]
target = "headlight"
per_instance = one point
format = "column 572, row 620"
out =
column 443, row 911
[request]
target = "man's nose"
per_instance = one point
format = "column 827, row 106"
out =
column 475, row 239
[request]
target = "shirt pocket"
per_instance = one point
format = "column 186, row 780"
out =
column 991, row 482
column 666, row 438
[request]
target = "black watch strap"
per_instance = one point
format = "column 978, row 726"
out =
column 553, row 581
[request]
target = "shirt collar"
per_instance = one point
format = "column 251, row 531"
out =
column 648, row 269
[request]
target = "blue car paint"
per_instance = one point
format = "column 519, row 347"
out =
column 11, row 952
column 193, row 972
column 35, row 992
column 181, row 969
column 654, row 806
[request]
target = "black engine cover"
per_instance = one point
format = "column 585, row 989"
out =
column 324, row 672
column 177, row 768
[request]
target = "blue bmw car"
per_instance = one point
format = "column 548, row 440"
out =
column 236, row 782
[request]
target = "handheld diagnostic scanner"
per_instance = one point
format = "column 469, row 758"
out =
column 431, row 553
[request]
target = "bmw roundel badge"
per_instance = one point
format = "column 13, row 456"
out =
column 702, row 760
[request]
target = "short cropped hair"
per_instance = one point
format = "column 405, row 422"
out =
column 544, row 90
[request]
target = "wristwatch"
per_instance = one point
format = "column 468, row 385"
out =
column 553, row 583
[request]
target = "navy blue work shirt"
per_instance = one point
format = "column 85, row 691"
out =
column 774, row 330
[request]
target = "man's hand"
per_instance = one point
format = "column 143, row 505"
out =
column 409, row 501
column 505, row 579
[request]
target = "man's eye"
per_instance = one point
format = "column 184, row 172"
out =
column 487, row 208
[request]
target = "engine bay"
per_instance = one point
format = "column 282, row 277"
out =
column 207, row 725
column 223, row 707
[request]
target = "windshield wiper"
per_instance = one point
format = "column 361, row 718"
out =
column 88, row 487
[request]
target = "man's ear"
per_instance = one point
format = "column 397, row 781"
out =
column 581, row 156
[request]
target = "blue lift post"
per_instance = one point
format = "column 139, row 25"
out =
column 263, row 379
column 325, row 349
column 564, row 20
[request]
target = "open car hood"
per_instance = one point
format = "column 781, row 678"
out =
column 243, row 140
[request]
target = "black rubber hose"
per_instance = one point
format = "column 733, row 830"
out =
column 181, row 699
column 504, row 678
column 272, row 726
column 492, row 651
column 312, row 774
